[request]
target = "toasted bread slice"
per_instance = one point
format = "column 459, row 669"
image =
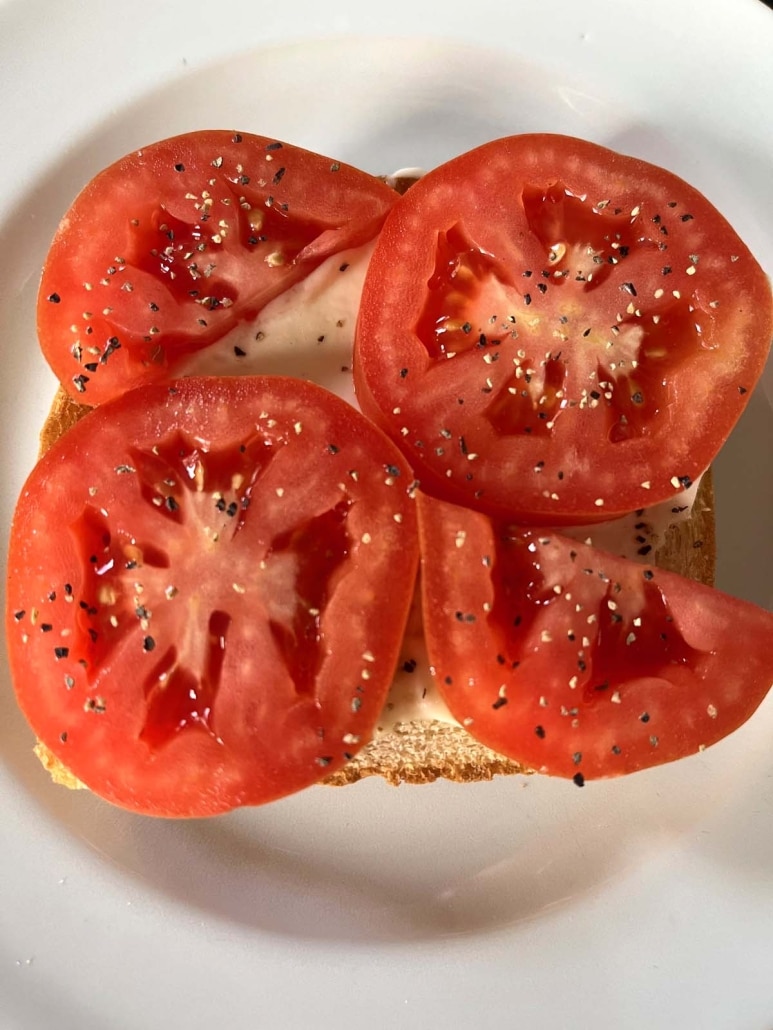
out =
column 420, row 752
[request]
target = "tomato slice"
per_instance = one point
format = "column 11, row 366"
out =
column 208, row 586
column 173, row 246
column 557, row 333
column 578, row 663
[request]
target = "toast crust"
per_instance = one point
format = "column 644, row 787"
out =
column 421, row 752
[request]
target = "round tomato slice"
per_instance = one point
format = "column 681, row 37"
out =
column 208, row 586
column 172, row 247
column 577, row 663
column 557, row 333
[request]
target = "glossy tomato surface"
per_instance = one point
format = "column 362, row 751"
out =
column 173, row 246
column 556, row 332
column 208, row 585
column 578, row 663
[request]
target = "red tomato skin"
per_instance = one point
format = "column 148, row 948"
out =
column 577, row 663
column 527, row 420
column 89, row 544
column 173, row 245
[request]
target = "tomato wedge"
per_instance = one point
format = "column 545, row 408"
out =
column 556, row 333
column 207, row 590
column 577, row 663
column 166, row 251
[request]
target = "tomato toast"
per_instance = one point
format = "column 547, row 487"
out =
column 545, row 637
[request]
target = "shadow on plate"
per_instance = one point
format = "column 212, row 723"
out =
column 372, row 863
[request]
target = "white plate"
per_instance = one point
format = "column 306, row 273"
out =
column 641, row 903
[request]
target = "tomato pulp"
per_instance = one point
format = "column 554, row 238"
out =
column 556, row 333
column 208, row 586
column 578, row 663
column 166, row 251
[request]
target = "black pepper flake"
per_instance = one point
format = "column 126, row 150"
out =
column 499, row 703
column 148, row 644
column 540, row 731
column 579, row 779
column 239, row 352
column 113, row 344
column 279, row 176
column 179, row 167
column 61, row 652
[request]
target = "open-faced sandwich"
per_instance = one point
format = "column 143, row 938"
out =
column 227, row 583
